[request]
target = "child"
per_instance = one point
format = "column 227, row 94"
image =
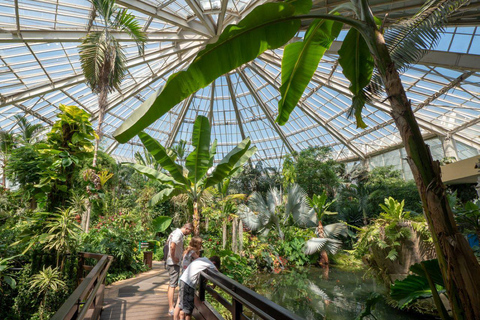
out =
column 192, row 252
column 188, row 282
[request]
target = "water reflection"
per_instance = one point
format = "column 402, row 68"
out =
column 321, row 294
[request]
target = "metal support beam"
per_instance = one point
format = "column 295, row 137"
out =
column 74, row 80
column 164, row 15
column 310, row 113
column 212, row 100
column 221, row 17
column 449, row 60
column 264, row 108
column 72, row 35
column 179, row 121
column 233, row 97
column 193, row 4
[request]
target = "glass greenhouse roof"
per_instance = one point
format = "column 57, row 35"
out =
column 40, row 68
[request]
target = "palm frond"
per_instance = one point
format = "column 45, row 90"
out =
column 92, row 57
column 335, row 229
column 410, row 39
column 317, row 291
column 249, row 218
column 257, row 204
column 105, row 8
column 319, row 244
column 119, row 65
column 125, row 21
column 274, row 199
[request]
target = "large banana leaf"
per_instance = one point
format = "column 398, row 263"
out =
column 161, row 156
column 165, row 195
column 300, row 60
column 263, row 29
column 357, row 64
column 161, row 223
column 198, row 162
column 227, row 165
column 153, row 174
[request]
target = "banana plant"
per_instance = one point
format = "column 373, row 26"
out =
column 193, row 179
column 368, row 53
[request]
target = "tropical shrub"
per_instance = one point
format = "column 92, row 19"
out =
column 117, row 235
column 393, row 242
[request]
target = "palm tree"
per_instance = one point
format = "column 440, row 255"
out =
column 7, row 144
column 262, row 215
column 103, row 58
column 199, row 174
column 28, row 132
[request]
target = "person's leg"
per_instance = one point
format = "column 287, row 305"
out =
column 176, row 311
column 170, row 294
column 182, row 315
column 188, row 316
column 188, row 301
column 173, row 272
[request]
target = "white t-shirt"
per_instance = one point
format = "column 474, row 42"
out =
column 176, row 237
column 191, row 274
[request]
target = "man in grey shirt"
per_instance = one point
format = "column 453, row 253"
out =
column 175, row 252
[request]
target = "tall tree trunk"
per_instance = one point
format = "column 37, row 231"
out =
column 196, row 218
column 234, row 234
column 460, row 268
column 102, row 107
column 224, row 234
column 240, row 236
column 4, row 179
column 323, row 259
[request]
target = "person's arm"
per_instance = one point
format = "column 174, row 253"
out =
column 173, row 246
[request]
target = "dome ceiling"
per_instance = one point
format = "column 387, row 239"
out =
column 40, row 68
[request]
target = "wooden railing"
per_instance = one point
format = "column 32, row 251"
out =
column 86, row 301
column 241, row 296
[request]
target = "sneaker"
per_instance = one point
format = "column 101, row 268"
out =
column 170, row 312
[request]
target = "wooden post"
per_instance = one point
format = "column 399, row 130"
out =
column 237, row 310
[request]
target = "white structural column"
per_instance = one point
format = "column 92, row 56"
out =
column 265, row 109
column 449, row 147
column 193, row 4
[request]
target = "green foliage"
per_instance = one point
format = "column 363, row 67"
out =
column 24, row 166
column 47, row 281
column 161, row 223
column 389, row 230
column 117, row 235
column 6, row 278
column 316, row 171
column 357, row 65
column 69, row 141
column 300, row 61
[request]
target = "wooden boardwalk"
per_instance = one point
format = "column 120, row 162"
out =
column 140, row 298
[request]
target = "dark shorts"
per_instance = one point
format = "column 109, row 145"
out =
column 186, row 295
column 174, row 273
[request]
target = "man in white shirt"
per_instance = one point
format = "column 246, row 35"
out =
column 175, row 252
column 188, row 282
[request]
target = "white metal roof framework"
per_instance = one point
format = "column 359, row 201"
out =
column 39, row 69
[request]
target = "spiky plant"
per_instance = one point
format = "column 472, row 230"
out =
column 102, row 57
column 29, row 132
column 46, row 281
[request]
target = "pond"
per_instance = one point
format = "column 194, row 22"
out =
column 312, row 295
